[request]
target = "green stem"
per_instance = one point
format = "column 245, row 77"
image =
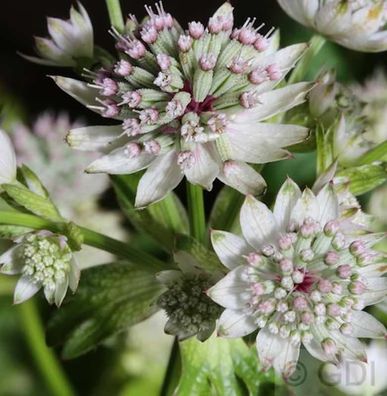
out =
column 315, row 45
column 91, row 238
column 171, row 378
column 45, row 358
column 115, row 14
column 196, row 214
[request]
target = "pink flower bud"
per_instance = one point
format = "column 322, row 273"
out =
column 132, row 150
column 196, row 30
column 123, row 68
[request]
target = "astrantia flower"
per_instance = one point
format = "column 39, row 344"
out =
column 7, row 159
column 356, row 24
column 71, row 42
column 301, row 275
column 41, row 147
column 44, row 260
column 190, row 311
column 192, row 102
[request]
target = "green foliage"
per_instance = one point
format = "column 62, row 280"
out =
column 110, row 298
column 161, row 220
column 219, row 367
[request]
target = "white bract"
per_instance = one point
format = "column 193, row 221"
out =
column 44, row 260
column 356, row 24
column 192, row 103
column 70, row 41
column 7, row 159
column 301, row 274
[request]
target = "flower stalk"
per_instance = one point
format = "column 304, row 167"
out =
column 44, row 357
column 196, row 213
column 91, row 238
column 115, row 14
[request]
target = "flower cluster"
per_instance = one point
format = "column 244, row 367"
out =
column 192, row 102
column 302, row 274
column 45, row 261
column 356, row 24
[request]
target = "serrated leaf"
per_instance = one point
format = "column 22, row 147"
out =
column 33, row 182
column 363, row 178
column 110, row 299
column 378, row 153
column 32, row 202
column 206, row 259
column 224, row 214
column 10, row 231
column 221, row 367
column 161, row 220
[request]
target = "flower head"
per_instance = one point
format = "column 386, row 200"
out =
column 7, row 159
column 201, row 94
column 40, row 145
column 190, row 311
column 44, row 260
column 71, row 42
column 301, row 275
column 356, row 24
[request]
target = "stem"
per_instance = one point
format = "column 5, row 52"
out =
column 115, row 14
column 196, row 214
column 315, row 45
column 174, row 365
column 91, row 238
column 45, row 358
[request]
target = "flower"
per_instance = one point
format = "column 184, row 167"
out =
column 301, row 275
column 373, row 94
column 191, row 103
column 190, row 311
column 7, row 159
column 355, row 24
column 40, row 146
column 71, row 42
column 44, row 260
column 358, row 378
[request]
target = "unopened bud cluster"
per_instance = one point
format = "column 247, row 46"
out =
column 189, row 309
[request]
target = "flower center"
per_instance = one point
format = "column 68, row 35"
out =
column 198, row 107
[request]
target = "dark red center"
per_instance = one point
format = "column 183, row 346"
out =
column 198, row 107
column 306, row 285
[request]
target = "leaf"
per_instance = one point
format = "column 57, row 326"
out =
column 32, row 202
column 206, row 259
column 219, row 366
column 363, row 178
column 161, row 220
column 224, row 214
column 33, row 182
column 378, row 153
column 110, row 298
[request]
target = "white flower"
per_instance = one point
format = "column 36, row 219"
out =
column 189, row 310
column 71, row 42
column 61, row 171
column 44, row 260
column 204, row 105
column 356, row 24
column 358, row 378
column 301, row 275
column 7, row 159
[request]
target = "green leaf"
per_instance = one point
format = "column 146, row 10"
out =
column 206, row 259
column 378, row 153
column 219, row 366
column 161, row 220
column 363, row 178
column 34, row 203
column 224, row 214
column 33, row 182
column 110, row 298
